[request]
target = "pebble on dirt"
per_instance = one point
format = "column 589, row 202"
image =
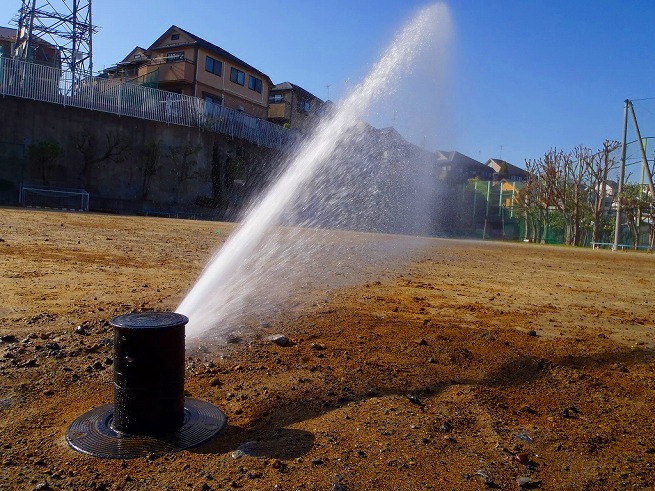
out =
column 527, row 483
column 569, row 411
column 522, row 458
column 233, row 339
column 279, row 339
column 414, row 400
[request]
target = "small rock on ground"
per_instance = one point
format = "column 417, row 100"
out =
column 279, row 339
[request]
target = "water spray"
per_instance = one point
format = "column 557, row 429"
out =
column 231, row 277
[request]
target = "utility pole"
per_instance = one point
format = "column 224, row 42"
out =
column 644, row 160
column 617, row 225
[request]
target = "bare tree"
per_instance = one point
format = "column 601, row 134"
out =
column 114, row 148
column 563, row 187
column 633, row 203
column 568, row 191
column 44, row 156
column 183, row 159
column 151, row 154
column 578, row 179
column 529, row 203
column 550, row 185
column 601, row 165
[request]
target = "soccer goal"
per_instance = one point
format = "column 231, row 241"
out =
column 36, row 196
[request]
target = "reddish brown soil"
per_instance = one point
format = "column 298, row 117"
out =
column 421, row 377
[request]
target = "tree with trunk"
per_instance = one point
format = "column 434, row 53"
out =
column 184, row 162
column 634, row 202
column 550, row 185
column 529, row 205
column 578, row 185
column 44, row 156
column 113, row 149
column 600, row 166
column 151, row 155
column 561, row 184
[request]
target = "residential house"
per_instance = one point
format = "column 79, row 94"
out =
column 456, row 167
column 187, row 64
column 505, row 170
column 7, row 40
column 292, row 106
column 127, row 70
column 40, row 52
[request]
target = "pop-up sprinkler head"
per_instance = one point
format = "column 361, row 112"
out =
column 150, row 414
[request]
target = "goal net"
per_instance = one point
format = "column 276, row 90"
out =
column 52, row 197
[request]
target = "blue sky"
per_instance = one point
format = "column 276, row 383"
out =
column 522, row 76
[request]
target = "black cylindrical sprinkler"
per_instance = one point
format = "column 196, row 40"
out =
column 148, row 373
column 150, row 413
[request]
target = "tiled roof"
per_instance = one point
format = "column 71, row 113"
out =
column 511, row 169
column 456, row 158
column 298, row 88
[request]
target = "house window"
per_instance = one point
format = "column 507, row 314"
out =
column 177, row 56
column 255, row 84
column 175, row 37
column 275, row 98
column 304, row 106
column 213, row 66
column 237, row 76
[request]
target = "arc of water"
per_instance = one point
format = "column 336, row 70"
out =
column 199, row 304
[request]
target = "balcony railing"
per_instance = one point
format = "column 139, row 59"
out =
column 172, row 68
column 47, row 84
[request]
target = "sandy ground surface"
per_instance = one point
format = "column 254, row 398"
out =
column 468, row 365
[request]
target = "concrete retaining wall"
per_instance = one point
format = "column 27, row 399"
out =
column 126, row 164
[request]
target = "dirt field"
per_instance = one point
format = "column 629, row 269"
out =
column 472, row 366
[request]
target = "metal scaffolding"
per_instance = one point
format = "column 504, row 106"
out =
column 66, row 24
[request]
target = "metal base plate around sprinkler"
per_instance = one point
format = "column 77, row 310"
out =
column 92, row 433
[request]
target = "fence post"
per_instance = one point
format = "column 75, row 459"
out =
column 92, row 92
column 120, row 99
